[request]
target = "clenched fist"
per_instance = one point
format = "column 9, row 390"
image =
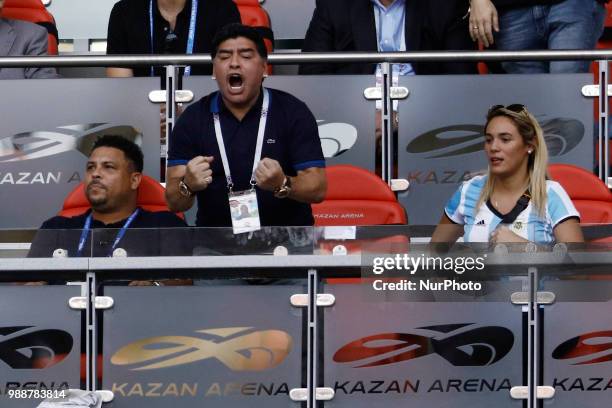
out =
column 269, row 174
column 198, row 174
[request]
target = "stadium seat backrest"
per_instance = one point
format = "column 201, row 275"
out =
column 253, row 15
column 151, row 197
column 590, row 195
column 356, row 196
column 35, row 12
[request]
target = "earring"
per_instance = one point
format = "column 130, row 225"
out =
column 214, row 78
column 265, row 75
column 528, row 151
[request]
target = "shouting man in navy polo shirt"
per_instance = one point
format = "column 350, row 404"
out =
column 251, row 155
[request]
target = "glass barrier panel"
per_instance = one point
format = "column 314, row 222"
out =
column 441, row 137
column 577, row 327
column 219, row 343
column 425, row 327
column 202, row 242
column 43, row 156
column 40, row 339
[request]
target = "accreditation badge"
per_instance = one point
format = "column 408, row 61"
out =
column 244, row 211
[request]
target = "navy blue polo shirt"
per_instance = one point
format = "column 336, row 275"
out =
column 291, row 137
column 164, row 232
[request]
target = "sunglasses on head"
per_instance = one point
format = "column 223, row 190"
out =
column 515, row 107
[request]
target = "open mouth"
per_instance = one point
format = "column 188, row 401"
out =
column 235, row 81
column 496, row 160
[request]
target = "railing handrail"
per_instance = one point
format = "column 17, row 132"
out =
column 283, row 262
column 307, row 57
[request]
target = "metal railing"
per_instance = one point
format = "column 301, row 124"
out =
column 173, row 61
column 300, row 58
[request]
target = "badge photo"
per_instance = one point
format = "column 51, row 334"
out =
column 244, row 211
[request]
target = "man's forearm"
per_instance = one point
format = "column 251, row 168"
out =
column 178, row 202
column 309, row 187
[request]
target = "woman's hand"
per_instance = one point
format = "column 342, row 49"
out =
column 483, row 21
column 502, row 234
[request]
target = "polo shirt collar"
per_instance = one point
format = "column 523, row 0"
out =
column 217, row 105
column 114, row 225
column 184, row 14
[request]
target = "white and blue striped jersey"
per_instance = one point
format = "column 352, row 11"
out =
column 480, row 223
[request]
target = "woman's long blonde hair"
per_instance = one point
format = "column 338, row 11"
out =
column 529, row 128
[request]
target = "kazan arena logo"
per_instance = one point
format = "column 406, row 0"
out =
column 28, row 348
column 561, row 134
column 462, row 345
column 238, row 348
column 44, row 143
column 336, row 137
column 585, row 349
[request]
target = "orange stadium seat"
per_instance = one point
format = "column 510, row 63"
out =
column 252, row 14
column 483, row 69
column 590, row 195
column 35, row 12
column 151, row 197
column 357, row 197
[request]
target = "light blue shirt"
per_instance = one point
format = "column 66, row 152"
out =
column 390, row 33
column 479, row 223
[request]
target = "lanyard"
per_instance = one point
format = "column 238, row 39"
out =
column 260, row 134
column 190, row 36
column 120, row 234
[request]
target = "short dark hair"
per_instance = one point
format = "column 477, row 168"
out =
column 235, row 30
column 130, row 149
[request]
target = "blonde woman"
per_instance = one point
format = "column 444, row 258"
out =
column 514, row 201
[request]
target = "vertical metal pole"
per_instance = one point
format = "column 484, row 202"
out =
column 90, row 333
column 603, row 155
column 172, row 74
column 536, row 337
column 387, row 126
column 311, row 370
column 532, row 337
column 606, row 134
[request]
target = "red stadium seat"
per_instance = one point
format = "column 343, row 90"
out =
column 356, row 196
column 151, row 197
column 33, row 11
column 483, row 69
column 253, row 15
column 589, row 194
